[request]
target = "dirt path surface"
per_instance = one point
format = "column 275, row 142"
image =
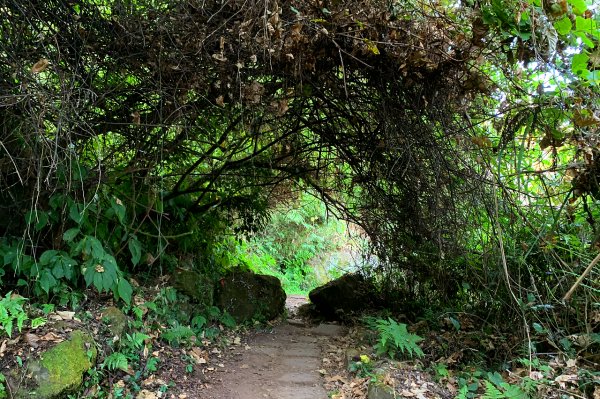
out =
column 283, row 363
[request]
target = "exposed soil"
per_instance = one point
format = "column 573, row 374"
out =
column 282, row 363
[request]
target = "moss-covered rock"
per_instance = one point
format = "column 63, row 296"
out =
column 115, row 320
column 60, row 369
column 344, row 296
column 247, row 296
column 196, row 285
column 378, row 390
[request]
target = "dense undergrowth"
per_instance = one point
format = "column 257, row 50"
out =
column 459, row 138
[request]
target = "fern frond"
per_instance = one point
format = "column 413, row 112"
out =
column 116, row 361
column 491, row 392
column 394, row 337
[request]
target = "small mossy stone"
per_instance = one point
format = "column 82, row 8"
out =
column 352, row 356
column 378, row 390
column 196, row 285
column 115, row 320
column 60, row 369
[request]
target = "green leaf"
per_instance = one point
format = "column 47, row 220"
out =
column 586, row 25
column 563, row 26
column 30, row 217
column 42, row 221
column 125, row 290
column 47, row 257
column 98, row 281
column 579, row 63
column 136, row 250
column 89, row 273
column 70, row 234
column 75, row 213
column 47, row 280
column 579, row 6
column 119, row 210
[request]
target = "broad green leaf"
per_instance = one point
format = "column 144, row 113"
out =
column 70, row 234
column 579, row 6
column 136, row 250
column 563, row 26
column 89, row 273
column 75, row 213
column 98, row 281
column 30, row 217
column 125, row 290
column 119, row 210
column 579, row 63
column 47, row 280
column 586, row 40
column 586, row 25
column 47, row 256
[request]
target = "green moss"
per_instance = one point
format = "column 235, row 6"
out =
column 115, row 320
column 61, row 368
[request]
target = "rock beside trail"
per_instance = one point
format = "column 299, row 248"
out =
column 115, row 320
column 246, row 296
column 196, row 285
column 378, row 390
column 59, row 371
column 343, row 296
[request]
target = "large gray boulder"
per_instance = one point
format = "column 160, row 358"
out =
column 343, row 296
column 246, row 296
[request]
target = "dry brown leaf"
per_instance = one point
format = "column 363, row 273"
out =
column 2, row 348
column 136, row 118
column 40, row 66
column 220, row 101
column 65, row 315
column 32, row 339
column 51, row 336
column 336, row 378
column 146, row 394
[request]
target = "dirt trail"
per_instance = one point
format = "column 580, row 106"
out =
column 280, row 364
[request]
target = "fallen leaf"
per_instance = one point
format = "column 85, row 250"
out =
column 65, row 315
column 244, row 366
column 40, row 66
column 51, row 337
column 32, row 339
column 145, row 394
column 336, row 378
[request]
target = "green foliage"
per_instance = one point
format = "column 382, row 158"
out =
column 11, row 311
column 116, row 361
column 178, row 335
column 394, row 338
column 298, row 245
column 363, row 367
column 3, row 390
column 476, row 383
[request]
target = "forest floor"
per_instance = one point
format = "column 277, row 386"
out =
column 285, row 361
column 292, row 358
column 295, row 359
